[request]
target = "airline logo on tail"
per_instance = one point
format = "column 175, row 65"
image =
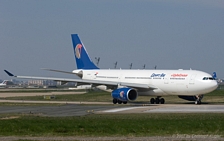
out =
column 78, row 50
column 82, row 58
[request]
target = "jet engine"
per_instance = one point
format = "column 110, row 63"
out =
column 124, row 94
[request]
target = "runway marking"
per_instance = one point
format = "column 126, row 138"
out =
column 188, row 109
column 121, row 109
column 170, row 109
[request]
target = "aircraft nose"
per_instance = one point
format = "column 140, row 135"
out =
column 213, row 85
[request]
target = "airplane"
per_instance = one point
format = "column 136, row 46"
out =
column 3, row 84
column 126, row 85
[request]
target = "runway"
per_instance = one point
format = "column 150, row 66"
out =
column 64, row 109
column 53, row 110
column 169, row 108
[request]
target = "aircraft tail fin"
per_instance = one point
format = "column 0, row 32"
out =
column 82, row 58
column 214, row 75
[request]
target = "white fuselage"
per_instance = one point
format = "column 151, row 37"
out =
column 164, row 82
column 3, row 84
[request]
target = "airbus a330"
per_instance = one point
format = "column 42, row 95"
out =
column 126, row 85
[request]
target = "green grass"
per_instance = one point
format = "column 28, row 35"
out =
column 115, row 125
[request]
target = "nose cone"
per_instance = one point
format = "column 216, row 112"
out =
column 212, row 86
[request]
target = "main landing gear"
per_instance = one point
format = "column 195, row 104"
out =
column 157, row 100
column 115, row 101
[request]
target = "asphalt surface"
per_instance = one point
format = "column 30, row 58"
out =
column 54, row 110
column 63, row 110
column 70, row 108
column 169, row 108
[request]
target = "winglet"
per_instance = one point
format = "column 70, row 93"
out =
column 10, row 74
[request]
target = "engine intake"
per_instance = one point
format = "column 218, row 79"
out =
column 125, row 94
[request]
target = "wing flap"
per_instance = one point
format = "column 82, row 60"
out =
column 57, row 70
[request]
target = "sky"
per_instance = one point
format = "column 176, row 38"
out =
column 169, row 34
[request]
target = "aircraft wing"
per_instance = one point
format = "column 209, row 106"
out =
column 57, row 70
column 95, row 82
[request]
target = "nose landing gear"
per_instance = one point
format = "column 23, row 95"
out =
column 198, row 99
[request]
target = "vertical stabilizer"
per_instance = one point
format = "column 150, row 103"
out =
column 214, row 75
column 81, row 56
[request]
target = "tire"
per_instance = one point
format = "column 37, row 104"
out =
column 115, row 101
column 162, row 100
column 198, row 102
column 125, row 102
column 157, row 100
column 152, row 100
column 119, row 102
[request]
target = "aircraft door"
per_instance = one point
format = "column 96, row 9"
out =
column 166, row 80
column 192, row 79
column 93, row 75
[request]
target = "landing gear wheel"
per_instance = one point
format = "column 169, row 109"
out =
column 157, row 100
column 115, row 101
column 198, row 99
column 124, row 102
column 152, row 100
column 119, row 102
column 198, row 102
column 162, row 101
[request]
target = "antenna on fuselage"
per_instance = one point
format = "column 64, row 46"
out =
column 144, row 66
column 115, row 65
column 155, row 67
column 130, row 65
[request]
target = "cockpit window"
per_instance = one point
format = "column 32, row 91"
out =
column 208, row 78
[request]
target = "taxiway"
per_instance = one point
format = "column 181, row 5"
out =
column 62, row 108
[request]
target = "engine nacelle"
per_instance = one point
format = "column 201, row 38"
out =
column 124, row 94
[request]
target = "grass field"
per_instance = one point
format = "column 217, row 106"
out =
column 114, row 125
